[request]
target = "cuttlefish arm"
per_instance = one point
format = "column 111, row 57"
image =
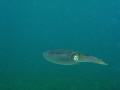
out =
column 89, row 58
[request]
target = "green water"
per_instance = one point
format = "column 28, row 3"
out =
column 30, row 27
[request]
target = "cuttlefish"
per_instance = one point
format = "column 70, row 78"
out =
column 68, row 57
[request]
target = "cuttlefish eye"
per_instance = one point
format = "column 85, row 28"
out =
column 75, row 57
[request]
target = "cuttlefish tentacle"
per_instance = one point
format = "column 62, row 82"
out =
column 88, row 58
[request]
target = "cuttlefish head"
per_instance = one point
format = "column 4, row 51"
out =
column 79, row 57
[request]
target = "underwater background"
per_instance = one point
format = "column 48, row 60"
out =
column 30, row 27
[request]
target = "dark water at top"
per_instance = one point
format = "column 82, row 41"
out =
column 30, row 27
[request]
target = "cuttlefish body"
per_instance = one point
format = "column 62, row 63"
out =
column 67, row 57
